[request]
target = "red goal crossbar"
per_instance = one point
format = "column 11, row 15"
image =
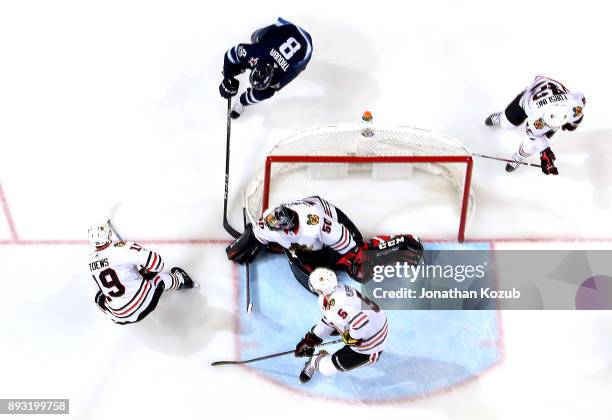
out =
column 378, row 159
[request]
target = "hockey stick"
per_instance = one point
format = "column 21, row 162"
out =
column 111, row 214
column 270, row 356
column 507, row 160
column 228, row 228
column 112, row 228
column 249, row 303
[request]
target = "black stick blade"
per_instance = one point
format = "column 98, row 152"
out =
column 224, row 362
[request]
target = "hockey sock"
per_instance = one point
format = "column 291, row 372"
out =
column 326, row 366
column 170, row 281
column 504, row 122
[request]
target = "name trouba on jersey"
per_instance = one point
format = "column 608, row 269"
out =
column 282, row 63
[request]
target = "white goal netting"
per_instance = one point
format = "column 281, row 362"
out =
column 387, row 152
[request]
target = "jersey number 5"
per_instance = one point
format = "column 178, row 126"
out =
column 110, row 280
column 289, row 48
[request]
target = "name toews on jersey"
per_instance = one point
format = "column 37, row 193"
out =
column 115, row 270
column 318, row 226
column 348, row 310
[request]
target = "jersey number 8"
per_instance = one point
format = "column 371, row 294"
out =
column 289, row 48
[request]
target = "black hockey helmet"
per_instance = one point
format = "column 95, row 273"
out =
column 261, row 75
column 281, row 218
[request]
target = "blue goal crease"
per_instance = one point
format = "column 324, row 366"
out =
column 426, row 351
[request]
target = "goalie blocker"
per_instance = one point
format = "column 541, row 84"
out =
column 244, row 249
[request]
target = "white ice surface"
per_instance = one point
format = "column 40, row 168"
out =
column 113, row 108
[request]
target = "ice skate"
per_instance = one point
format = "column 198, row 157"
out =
column 493, row 119
column 311, row 366
column 187, row 282
column 237, row 110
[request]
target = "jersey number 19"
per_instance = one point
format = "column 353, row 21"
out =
column 110, row 280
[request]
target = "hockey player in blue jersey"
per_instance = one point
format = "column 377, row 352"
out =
column 276, row 55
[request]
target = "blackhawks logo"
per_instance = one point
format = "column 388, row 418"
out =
column 313, row 219
column 329, row 304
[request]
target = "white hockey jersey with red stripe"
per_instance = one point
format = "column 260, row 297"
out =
column 318, row 226
column 115, row 270
column 542, row 92
column 348, row 310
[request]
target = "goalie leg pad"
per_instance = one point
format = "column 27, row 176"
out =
column 300, row 272
column 304, row 262
column 348, row 223
column 387, row 250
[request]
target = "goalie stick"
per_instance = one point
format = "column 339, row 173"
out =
column 507, row 160
column 270, row 356
column 249, row 302
column 228, row 228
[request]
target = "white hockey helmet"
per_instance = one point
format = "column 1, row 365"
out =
column 323, row 281
column 556, row 114
column 99, row 234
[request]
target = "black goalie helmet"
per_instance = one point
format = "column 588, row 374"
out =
column 261, row 75
column 281, row 218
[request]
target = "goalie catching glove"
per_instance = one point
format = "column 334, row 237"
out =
column 305, row 348
column 351, row 262
column 244, row 249
column 547, row 158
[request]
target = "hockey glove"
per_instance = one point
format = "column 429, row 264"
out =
column 351, row 261
column 350, row 341
column 305, row 348
column 244, row 249
column 573, row 125
column 229, row 87
column 146, row 274
column 547, row 158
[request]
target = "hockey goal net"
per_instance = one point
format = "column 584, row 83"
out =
column 387, row 152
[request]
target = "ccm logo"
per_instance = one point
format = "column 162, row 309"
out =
column 391, row 243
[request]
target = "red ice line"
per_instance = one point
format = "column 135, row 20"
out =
column 7, row 215
column 237, row 345
column 15, row 240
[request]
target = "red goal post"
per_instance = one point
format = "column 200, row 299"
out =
column 361, row 147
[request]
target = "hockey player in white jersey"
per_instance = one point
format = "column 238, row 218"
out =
column 546, row 105
column 129, row 276
column 359, row 320
column 312, row 232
